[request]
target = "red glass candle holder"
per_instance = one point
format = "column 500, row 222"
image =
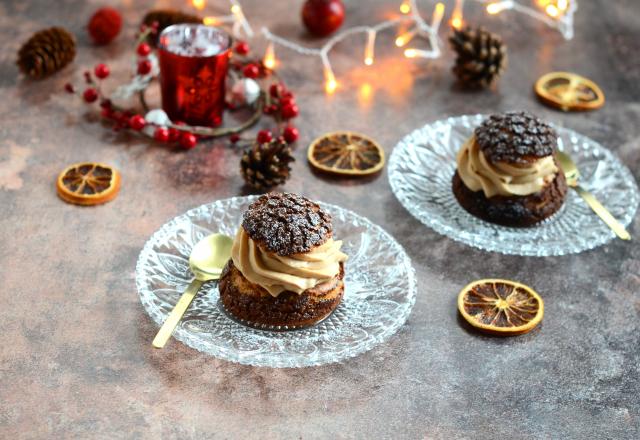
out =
column 194, row 60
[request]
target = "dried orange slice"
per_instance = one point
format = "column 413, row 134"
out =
column 569, row 91
column 88, row 183
column 346, row 153
column 501, row 307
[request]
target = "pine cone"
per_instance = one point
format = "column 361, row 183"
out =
column 46, row 52
column 482, row 57
column 264, row 166
column 168, row 17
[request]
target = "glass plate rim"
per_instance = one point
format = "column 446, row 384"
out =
column 464, row 237
column 189, row 340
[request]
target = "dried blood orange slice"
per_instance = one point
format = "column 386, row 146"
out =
column 569, row 91
column 500, row 307
column 346, row 153
column 88, row 183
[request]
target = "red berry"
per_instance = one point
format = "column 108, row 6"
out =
column 276, row 90
column 234, row 138
column 270, row 109
column 291, row 134
column 104, row 25
column 216, row 120
column 289, row 111
column 188, row 140
column 264, row 136
column 87, row 77
column 287, row 100
column 161, row 134
column 251, row 71
column 174, row 134
column 90, row 95
column 144, row 67
column 101, row 71
column 137, row 122
column 106, row 113
column 242, row 48
column 69, row 88
column 143, row 49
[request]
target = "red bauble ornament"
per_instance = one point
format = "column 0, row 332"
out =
column 251, row 71
column 291, row 134
column 137, row 122
column 144, row 67
column 289, row 111
column 264, row 136
column 234, row 138
column 242, row 48
column 101, row 71
column 143, row 49
column 104, row 25
column 161, row 134
column 90, row 95
column 322, row 17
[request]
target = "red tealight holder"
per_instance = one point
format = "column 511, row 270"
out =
column 194, row 60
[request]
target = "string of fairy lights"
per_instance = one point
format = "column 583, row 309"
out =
column 557, row 14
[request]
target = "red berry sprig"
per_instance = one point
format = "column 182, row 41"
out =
column 281, row 105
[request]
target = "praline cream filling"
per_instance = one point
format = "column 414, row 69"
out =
column 502, row 178
column 295, row 273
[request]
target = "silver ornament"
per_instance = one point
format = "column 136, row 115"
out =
column 245, row 92
column 155, row 118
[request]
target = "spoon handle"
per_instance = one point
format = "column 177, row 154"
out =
column 602, row 212
column 176, row 314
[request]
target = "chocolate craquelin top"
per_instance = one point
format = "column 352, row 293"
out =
column 286, row 223
column 515, row 137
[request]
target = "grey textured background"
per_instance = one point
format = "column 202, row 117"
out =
column 75, row 353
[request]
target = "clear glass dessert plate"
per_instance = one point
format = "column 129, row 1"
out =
column 423, row 163
column 380, row 290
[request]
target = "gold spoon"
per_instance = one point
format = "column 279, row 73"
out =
column 572, row 174
column 206, row 261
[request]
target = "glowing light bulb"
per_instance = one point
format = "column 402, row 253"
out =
column 438, row 12
column 563, row 5
column 410, row 53
column 269, row 59
column 552, row 10
column 199, row 4
column 405, row 7
column 330, row 84
column 235, row 9
column 365, row 90
column 496, row 8
column 210, row 21
column 405, row 38
column 369, row 48
column 456, row 16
